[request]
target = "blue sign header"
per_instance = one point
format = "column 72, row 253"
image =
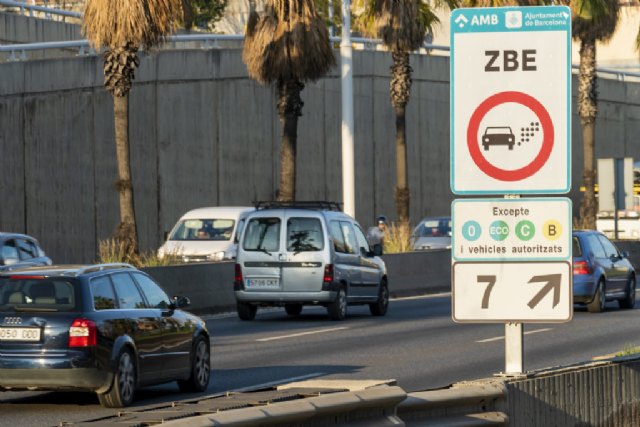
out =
column 505, row 19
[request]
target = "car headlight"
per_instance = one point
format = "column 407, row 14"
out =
column 217, row 256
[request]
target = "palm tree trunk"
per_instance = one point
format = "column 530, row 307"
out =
column 127, row 234
column 400, row 93
column 588, row 110
column 289, row 109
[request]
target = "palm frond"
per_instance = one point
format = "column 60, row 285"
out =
column 112, row 23
column 289, row 42
column 596, row 19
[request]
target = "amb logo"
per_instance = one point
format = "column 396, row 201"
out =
column 479, row 20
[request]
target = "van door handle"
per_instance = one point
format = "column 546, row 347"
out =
column 281, row 257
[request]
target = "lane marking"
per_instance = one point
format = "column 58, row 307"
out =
column 535, row 331
column 277, row 382
column 234, row 314
column 299, row 334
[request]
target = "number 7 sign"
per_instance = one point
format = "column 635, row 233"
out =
column 498, row 292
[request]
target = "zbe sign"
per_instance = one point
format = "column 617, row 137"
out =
column 511, row 100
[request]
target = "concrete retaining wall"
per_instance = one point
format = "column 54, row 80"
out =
column 204, row 134
column 210, row 285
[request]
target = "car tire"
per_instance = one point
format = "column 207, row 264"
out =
column 124, row 383
column 338, row 309
column 293, row 309
column 246, row 311
column 629, row 301
column 379, row 308
column 200, row 368
column 597, row 305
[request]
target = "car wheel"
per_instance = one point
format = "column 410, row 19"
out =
column 338, row 309
column 379, row 308
column 124, row 383
column 629, row 301
column 598, row 303
column 293, row 309
column 247, row 311
column 200, row 368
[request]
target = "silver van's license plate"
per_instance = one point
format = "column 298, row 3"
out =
column 263, row 283
column 19, row 334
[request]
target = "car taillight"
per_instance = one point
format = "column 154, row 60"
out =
column 328, row 273
column 82, row 333
column 238, row 278
column 581, row 267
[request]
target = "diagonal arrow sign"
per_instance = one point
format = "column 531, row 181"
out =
column 553, row 284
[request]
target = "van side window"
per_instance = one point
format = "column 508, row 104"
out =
column 349, row 237
column 336, row 235
column 363, row 244
column 262, row 234
column 304, row 235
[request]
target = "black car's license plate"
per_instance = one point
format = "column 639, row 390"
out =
column 19, row 334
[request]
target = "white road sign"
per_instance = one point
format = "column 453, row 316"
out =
column 511, row 100
column 529, row 292
column 531, row 229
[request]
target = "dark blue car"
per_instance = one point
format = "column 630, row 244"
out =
column 601, row 272
column 106, row 328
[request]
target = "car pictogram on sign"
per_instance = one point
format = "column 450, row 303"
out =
column 498, row 135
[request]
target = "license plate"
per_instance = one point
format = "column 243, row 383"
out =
column 263, row 283
column 19, row 334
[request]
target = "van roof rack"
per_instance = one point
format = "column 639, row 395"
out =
column 299, row 204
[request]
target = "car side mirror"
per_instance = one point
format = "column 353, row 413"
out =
column 180, row 301
column 165, row 235
column 366, row 253
column 377, row 249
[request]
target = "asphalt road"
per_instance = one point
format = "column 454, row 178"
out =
column 416, row 344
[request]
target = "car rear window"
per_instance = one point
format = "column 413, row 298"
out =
column 262, row 234
column 304, row 235
column 577, row 249
column 435, row 228
column 39, row 294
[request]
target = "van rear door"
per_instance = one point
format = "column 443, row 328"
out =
column 261, row 253
column 305, row 253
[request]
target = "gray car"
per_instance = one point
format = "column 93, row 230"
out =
column 432, row 233
column 307, row 253
column 19, row 250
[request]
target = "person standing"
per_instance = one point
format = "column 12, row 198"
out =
column 375, row 235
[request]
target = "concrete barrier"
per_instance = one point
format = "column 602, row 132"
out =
column 601, row 393
column 210, row 285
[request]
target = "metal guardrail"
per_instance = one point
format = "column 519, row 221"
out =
column 49, row 12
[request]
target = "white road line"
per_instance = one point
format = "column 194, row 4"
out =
column 277, row 382
column 535, row 331
column 319, row 331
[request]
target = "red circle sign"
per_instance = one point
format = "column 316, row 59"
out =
column 547, row 142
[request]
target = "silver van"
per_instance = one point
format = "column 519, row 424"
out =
column 293, row 254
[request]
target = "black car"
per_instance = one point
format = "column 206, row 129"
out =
column 19, row 250
column 601, row 272
column 106, row 328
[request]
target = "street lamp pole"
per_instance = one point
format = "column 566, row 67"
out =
column 346, row 78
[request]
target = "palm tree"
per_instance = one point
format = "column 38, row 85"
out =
column 593, row 20
column 402, row 26
column 122, row 26
column 287, row 46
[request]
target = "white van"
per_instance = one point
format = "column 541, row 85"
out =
column 206, row 234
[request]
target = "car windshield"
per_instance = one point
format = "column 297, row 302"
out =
column 435, row 228
column 38, row 294
column 203, row 229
